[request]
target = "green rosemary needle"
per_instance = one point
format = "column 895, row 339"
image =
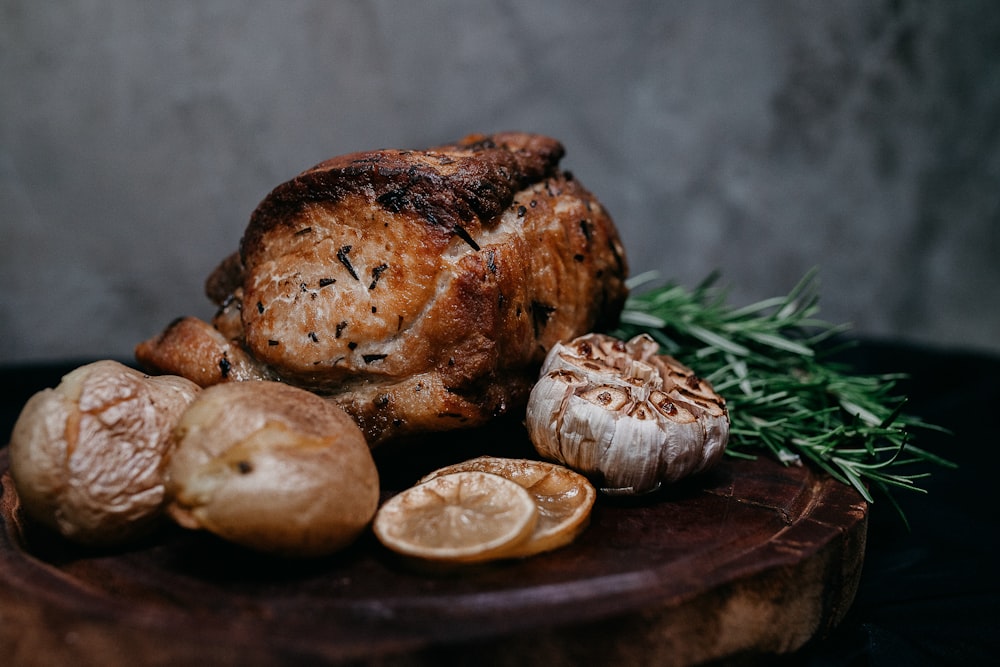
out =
column 772, row 362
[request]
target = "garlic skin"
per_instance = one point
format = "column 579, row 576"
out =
column 623, row 414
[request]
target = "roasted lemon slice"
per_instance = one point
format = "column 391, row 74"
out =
column 564, row 498
column 465, row 517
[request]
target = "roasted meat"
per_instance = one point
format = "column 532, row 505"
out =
column 421, row 290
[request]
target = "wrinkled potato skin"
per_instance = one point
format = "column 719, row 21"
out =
column 273, row 468
column 86, row 456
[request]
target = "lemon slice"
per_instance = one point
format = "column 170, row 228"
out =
column 465, row 517
column 564, row 498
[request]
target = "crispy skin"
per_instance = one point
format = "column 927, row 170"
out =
column 419, row 289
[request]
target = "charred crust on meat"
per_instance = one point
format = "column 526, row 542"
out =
column 491, row 265
column 476, row 183
column 369, row 358
column 224, row 367
column 521, row 211
column 340, row 328
column 480, row 143
column 313, row 337
column 260, row 307
column 394, row 200
column 325, row 282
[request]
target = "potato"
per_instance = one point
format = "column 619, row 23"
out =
column 86, row 456
column 273, row 468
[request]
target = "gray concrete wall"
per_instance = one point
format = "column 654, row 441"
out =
column 759, row 138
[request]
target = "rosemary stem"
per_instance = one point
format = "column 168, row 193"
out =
column 786, row 398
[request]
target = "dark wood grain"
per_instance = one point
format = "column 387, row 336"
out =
column 752, row 559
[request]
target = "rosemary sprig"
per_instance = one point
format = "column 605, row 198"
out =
column 786, row 396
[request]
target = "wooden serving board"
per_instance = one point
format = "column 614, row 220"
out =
column 751, row 559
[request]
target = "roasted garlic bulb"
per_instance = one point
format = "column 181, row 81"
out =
column 623, row 414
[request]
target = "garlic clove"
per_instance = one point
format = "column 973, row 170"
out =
column 624, row 414
column 632, row 463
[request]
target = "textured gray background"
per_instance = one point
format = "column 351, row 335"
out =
column 760, row 138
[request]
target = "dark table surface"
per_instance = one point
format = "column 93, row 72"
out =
column 930, row 591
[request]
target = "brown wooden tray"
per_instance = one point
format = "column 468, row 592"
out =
column 752, row 559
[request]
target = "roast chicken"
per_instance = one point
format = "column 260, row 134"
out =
column 420, row 290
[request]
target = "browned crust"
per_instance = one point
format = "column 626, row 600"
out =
column 419, row 289
column 225, row 279
column 194, row 349
column 450, row 187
